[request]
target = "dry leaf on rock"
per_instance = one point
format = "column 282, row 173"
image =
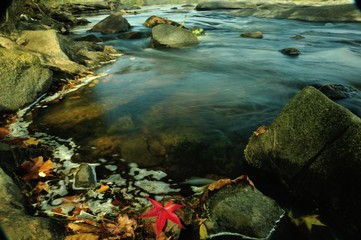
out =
column 81, row 227
column 102, row 188
column 260, row 130
column 124, row 226
column 82, row 236
column 41, row 186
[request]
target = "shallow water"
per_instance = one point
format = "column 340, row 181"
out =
column 190, row 112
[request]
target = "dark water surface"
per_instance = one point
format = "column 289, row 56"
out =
column 191, row 111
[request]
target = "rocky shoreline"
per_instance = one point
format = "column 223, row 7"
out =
column 37, row 55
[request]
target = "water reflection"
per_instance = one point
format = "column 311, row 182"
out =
column 191, row 111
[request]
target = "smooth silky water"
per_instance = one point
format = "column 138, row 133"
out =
column 190, row 112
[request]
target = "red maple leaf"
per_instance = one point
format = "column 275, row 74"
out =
column 162, row 214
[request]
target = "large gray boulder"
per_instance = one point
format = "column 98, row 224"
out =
column 314, row 147
column 165, row 35
column 242, row 210
column 23, row 79
column 47, row 44
column 114, row 23
column 14, row 222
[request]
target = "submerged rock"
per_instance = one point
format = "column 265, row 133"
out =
column 115, row 23
column 314, row 147
column 257, row 34
column 242, row 210
column 165, row 35
column 290, row 51
column 216, row 5
column 337, row 91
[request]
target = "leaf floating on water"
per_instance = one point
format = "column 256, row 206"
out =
column 203, row 234
column 31, row 141
column 260, row 130
column 308, row 221
column 102, row 188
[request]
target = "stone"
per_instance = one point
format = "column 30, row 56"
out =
column 313, row 147
column 337, row 91
column 290, row 51
column 297, row 37
column 242, row 210
column 216, row 5
column 85, row 177
column 165, row 35
column 23, row 79
column 15, row 223
column 257, row 34
column 48, row 45
column 153, row 21
column 135, row 35
column 114, row 23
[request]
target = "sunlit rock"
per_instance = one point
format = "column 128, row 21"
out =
column 114, row 23
column 165, row 35
column 153, row 21
column 23, row 79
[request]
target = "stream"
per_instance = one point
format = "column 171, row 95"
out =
column 190, row 112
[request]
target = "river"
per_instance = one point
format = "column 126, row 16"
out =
column 190, row 112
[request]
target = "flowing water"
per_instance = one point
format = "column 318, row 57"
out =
column 190, row 112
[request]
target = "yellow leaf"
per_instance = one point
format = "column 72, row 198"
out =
column 261, row 130
column 308, row 221
column 203, row 234
column 82, row 236
column 102, row 188
column 31, row 141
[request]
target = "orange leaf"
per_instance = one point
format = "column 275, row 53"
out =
column 4, row 131
column 41, row 186
column 102, row 188
column 261, row 130
column 37, row 168
column 83, row 228
column 219, row 184
column 82, row 236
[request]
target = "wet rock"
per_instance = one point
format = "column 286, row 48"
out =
column 14, row 222
column 297, row 37
column 290, row 51
column 134, row 35
column 89, row 38
column 257, row 34
column 85, row 8
column 326, row 13
column 23, row 79
column 153, row 21
column 165, row 35
column 114, row 23
column 337, row 91
column 85, row 177
column 313, row 146
column 216, row 5
column 242, row 210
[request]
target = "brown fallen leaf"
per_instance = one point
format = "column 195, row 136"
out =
column 124, row 226
column 82, row 236
column 81, row 227
column 36, row 168
column 225, row 182
column 4, row 131
column 41, row 186
column 260, row 130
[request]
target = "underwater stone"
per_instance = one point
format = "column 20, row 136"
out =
column 85, row 177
